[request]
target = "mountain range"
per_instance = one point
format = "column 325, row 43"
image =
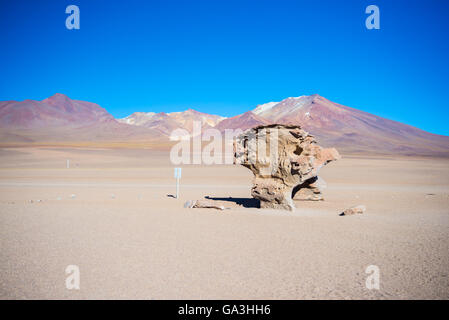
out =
column 61, row 120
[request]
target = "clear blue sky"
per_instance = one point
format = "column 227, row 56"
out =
column 226, row 56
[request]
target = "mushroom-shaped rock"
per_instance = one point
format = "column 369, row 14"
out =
column 284, row 159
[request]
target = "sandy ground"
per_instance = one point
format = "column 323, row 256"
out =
column 130, row 239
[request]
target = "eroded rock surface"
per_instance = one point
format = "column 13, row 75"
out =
column 311, row 190
column 282, row 158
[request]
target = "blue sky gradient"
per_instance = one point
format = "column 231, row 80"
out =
column 225, row 57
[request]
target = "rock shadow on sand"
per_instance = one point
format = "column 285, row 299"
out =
column 245, row 202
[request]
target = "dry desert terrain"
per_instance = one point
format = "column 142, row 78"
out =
column 112, row 215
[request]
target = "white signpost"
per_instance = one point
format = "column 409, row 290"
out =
column 177, row 177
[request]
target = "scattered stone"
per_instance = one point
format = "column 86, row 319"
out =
column 202, row 204
column 286, row 163
column 354, row 210
column 189, row 203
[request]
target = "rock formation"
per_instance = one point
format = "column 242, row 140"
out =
column 284, row 160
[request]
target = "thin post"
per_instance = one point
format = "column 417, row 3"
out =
column 177, row 177
column 68, row 163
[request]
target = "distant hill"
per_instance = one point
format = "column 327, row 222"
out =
column 59, row 119
column 167, row 122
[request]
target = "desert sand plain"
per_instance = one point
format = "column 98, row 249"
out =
column 112, row 215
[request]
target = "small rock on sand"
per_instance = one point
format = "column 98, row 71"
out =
column 202, row 204
column 354, row 210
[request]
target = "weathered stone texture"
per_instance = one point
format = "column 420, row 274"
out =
column 284, row 160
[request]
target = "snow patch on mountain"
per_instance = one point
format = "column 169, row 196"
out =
column 277, row 110
column 264, row 107
column 137, row 118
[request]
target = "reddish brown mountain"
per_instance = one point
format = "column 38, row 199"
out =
column 244, row 121
column 59, row 118
column 58, row 110
column 353, row 130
